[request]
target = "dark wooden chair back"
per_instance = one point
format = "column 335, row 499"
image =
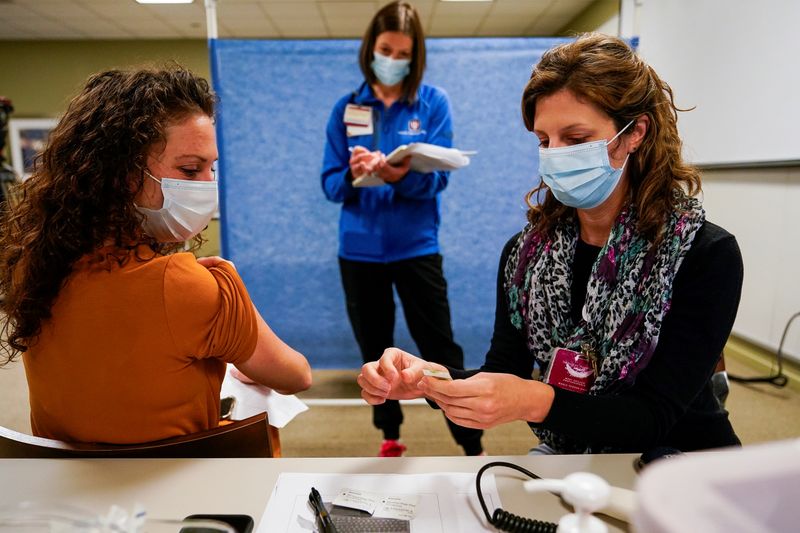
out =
column 251, row 437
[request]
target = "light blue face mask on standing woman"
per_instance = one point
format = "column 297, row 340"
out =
column 390, row 71
column 581, row 175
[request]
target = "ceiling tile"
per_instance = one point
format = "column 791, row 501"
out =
column 279, row 18
column 295, row 28
column 179, row 12
column 13, row 11
column 149, row 28
column 451, row 29
column 59, row 9
column 292, row 10
column 568, row 8
column 549, row 25
column 195, row 31
column 9, row 32
column 38, row 25
column 503, row 25
column 243, row 31
column 86, row 25
column 146, row 32
column 522, row 9
column 466, row 10
column 345, row 30
column 358, row 12
column 240, row 11
column 111, row 33
column 117, row 10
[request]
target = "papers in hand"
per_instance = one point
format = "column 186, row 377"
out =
column 368, row 180
column 424, row 158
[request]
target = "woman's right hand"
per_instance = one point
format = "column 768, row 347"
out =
column 362, row 161
column 393, row 377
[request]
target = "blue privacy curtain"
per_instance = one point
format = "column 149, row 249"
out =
column 281, row 232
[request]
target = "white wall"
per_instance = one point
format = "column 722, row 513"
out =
column 611, row 26
column 761, row 206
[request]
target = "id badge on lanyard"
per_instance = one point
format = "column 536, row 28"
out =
column 358, row 120
column 571, row 370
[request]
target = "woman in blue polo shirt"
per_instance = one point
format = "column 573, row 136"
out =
column 388, row 234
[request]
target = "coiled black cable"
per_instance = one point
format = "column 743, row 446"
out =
column 505, row 521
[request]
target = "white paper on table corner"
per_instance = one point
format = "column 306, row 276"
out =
column 448, row 500
column 254, row 399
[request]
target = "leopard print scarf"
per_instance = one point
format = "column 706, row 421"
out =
column 629, row 292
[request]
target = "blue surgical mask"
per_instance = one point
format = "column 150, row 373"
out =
column 580, row 175
column 390, row 71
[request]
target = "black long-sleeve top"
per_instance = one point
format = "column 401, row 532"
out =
column 671, row 403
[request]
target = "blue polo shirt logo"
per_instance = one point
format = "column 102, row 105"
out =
column 414, row 127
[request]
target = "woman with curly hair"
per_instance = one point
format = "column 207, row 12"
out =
column 615, row 301
column 124, row 340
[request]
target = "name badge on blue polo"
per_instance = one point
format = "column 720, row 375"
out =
column 358, row 119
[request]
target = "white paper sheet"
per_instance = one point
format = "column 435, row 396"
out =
column 448, row 502
column 254, row 399
column 425, row 158
column 429, row 157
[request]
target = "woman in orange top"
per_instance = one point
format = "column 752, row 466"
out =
column 125, row 341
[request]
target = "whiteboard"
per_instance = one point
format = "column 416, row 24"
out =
column 737, row 62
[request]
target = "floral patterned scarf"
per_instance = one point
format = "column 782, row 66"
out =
column 628, row 295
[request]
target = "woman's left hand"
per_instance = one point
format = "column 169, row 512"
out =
column 488, row 399
column 392, row 173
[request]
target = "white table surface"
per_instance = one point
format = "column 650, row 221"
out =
column 175, row 488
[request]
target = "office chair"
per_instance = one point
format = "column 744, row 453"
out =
column 251, row 437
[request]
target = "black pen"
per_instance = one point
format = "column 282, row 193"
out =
column 323, row 517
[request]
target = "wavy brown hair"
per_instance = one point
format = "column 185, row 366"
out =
column 604, row 71
column 400, row 17
column 80, row 197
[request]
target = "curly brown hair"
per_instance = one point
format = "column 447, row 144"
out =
column 80, row 197
column 604, row 71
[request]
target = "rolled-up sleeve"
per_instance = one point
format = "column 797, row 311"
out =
column 209, row 312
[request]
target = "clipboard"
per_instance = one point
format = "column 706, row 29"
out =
column 425, row 157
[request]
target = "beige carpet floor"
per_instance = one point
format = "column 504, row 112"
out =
column 759, row 413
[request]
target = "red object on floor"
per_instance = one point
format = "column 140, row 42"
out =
column 392, row 448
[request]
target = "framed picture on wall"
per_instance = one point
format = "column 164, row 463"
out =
column 28, row 138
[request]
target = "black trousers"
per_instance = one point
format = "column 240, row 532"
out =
column 422, row 290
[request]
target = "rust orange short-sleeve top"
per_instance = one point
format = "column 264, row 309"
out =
column 137, row 352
